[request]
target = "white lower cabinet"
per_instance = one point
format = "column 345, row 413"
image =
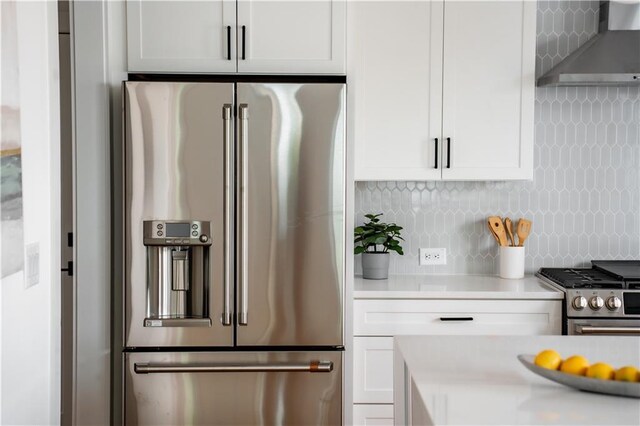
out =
column 380, row 317
column 376, row 321
column 373, row 414
column 373, row 377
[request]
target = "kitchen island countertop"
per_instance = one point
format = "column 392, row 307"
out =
column 453, row 287
column 478, row 380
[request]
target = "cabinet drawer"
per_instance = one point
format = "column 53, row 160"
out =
column 373, row 370
column 403, row 317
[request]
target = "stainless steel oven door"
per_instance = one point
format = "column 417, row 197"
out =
column 599, row 327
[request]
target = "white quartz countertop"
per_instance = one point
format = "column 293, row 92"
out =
column 453, row 287
column 477, row 380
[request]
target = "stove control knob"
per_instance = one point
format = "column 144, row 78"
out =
column 579, row 303
column 613, row 303
column 596, row 303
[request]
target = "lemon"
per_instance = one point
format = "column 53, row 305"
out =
column 600, row 370
column 576, row 364
column 548, row 359
column 627, row 374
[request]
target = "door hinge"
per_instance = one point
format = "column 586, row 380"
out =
column 68, row 269
column 69, row 239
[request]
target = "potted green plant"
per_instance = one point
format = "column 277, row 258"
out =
column 374, row 240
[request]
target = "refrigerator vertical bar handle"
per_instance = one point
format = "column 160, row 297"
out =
column 228, row 190
column 243, row 115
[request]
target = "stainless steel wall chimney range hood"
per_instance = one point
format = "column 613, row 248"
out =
column 611, row 58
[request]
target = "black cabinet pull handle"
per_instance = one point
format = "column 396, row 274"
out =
column 448, row 153
column 456, row 318
column 244, row 37
column 228, row 42
column 436, row 156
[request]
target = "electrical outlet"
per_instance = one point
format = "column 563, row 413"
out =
column 433, row 256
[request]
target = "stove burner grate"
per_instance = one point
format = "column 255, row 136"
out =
column 576, row 278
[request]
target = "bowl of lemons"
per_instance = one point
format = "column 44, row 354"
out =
column 576, row 372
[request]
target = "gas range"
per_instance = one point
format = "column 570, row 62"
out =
column 609, row 291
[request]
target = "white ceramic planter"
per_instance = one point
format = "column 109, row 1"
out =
column 375, row 266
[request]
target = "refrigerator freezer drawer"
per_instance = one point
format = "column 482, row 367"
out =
column 233, row 388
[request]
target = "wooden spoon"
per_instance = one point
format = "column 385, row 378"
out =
column 498, row 228
column 509, row 226
column 493, row 232
column 523, row 230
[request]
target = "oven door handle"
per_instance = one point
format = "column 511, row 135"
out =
column 590, row 329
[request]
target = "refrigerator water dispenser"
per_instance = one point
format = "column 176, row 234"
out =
column 177, row 273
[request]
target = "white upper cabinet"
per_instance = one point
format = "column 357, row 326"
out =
column 229, row 36
column 181, row 36
column 456, row 76
column 395, row 82
column 296, row 37
column 488, row 95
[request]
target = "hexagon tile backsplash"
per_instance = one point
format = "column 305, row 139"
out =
column 584, row 200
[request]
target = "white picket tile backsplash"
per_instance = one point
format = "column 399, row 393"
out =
column 584, row 200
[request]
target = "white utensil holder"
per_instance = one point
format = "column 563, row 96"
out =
column 511, row 262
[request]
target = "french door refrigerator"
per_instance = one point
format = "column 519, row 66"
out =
column 233, row 253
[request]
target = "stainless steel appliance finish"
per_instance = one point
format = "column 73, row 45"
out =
column 600, row 303
column 588, row 327
column 177, row 272
column 225, row 388
column 611, row 58
column 175, row 171
column 234, row 251
column 291, row 208
column 603, row 300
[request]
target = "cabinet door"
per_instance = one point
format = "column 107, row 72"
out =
column 181, row 36
column 292, row 37
column 488, row 95
column 373, row 370
column 395, row 81
column 373, row 415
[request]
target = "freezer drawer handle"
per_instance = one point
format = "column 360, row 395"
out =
column 588, row 329
column 456, row 318
column 310, row 367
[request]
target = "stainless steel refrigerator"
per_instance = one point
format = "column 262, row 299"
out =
column 233, row 253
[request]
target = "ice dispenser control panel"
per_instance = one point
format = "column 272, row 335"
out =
column 175, row 232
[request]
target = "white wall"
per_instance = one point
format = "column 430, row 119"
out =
column 30, row 317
